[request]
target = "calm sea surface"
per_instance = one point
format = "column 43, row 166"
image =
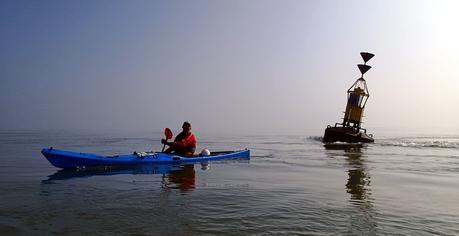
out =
column 401, row 185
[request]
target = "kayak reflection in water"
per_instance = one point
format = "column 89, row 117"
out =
column 183, row 179
column 184, row 144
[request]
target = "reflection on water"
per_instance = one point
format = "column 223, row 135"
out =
column 358, row 186
column 359, row 180
column 183, row 179
column 358, row 183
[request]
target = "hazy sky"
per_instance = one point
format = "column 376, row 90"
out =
column 227, row 66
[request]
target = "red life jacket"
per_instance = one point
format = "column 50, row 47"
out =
column 185, row 144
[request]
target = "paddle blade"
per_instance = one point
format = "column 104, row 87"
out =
column 168, row 133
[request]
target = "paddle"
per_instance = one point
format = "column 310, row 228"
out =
column 168, row 134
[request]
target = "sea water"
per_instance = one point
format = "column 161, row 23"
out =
column 292, row 185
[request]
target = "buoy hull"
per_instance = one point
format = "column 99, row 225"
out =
column 346, row 134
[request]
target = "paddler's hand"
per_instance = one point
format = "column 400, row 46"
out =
column 163, row 141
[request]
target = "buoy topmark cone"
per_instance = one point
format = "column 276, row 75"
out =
column 366, row 56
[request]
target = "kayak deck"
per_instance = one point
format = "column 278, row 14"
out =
column 71, row 160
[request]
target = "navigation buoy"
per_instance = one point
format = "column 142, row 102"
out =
column 350, row 129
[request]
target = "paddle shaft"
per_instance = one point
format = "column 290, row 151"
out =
column 164, row 145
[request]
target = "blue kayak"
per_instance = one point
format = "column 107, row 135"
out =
column 73, row 160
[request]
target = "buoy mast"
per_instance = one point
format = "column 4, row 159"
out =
column 357, row 96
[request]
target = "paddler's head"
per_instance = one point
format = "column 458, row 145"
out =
column 186, row 127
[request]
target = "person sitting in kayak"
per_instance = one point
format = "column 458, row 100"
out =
column 185, row 142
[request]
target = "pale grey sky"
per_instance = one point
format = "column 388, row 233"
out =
column 227, row 66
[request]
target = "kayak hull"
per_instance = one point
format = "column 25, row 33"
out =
column 73, row 160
